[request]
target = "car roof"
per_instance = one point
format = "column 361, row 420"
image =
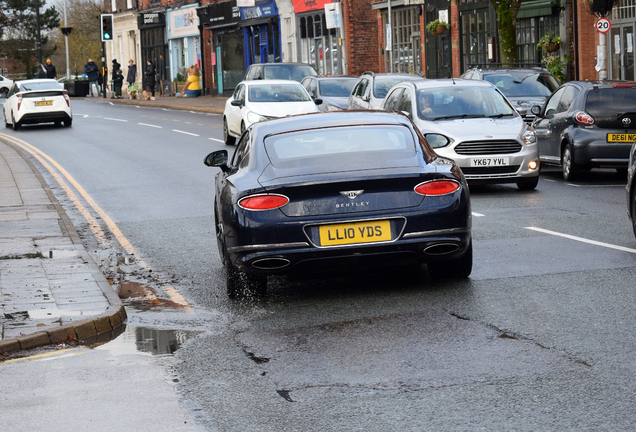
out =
column 36, row 80
column 389, row 75
column 326, row 77
column 329, row 119
column 280, row 64
column 528, row 70
column 268, row 81
column 447, row 82
column 602, row 84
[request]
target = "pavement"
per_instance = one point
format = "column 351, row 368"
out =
column 51, row 290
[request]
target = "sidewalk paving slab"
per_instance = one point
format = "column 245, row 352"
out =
column 51, row 290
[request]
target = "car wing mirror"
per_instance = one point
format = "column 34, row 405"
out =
column 549, row 114
column 536, row 110
column 236, row 103
column 318, row 101
column 217, row 159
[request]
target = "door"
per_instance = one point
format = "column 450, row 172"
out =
column 561, row 118
column 234, row 115
column 543, row 128
column 438, row 47
column 622, row 52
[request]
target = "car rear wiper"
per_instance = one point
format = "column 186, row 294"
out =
column 459, row 116
column 501, row 115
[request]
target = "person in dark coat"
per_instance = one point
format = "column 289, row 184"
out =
column 91, row 70
column 118, row 82
column 50, row 69
column 151, row 73
column 115, row 68
column 132, row 73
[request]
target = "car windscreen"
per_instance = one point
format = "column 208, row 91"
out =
column 461, row 102
column 42, row 85
column 277, row 93
column 288, row 72
column 355, row 147
column 383, row 84
column 615, row 100
column 337, row 87
column 523, row 84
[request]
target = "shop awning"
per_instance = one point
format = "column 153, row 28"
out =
column 537, row 8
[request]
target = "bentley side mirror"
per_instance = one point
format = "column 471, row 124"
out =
column 536, row 110
column 217, row 159
column 236, row 103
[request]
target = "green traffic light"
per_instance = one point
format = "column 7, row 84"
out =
column 106, row 36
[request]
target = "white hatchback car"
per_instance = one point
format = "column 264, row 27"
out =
column 259, row 100
column 472, row 123
column 37, row 101
column 5, row 86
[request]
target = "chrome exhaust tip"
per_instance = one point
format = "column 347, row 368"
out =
column 270, row 263
column 441, row 249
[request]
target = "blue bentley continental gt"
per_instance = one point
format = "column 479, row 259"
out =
column 331, row 191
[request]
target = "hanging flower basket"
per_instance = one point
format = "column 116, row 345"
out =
column 439, row 30
column 551, row 47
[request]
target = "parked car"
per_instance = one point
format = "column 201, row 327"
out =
column 285, row 71
column 254, row 101
column 472, row 123
column 587, row 124
column 5, row 86
column 524, row 86
column 332, row 191
column 631, row 187
column 371, row 88
column 333, row 90
column 37, row 101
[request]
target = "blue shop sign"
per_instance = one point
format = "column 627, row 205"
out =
column 262, row 9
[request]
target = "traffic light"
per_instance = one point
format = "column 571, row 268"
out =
column 107, row 27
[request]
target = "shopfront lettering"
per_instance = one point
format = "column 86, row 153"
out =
column 151, row 18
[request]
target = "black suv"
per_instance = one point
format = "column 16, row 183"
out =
column 284, row 71
column 524, row 86
column 587, row 124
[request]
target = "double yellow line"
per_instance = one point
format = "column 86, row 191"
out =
column 94, row 225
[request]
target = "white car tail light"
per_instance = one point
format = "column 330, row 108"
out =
column 19, row 101
column 66, row 98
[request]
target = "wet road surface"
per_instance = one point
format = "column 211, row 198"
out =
column 539, row 338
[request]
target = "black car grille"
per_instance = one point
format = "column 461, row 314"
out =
column 488, row 147
column 510, row 169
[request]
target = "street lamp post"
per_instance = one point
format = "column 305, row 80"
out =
column 68, row 67
column 38, row 41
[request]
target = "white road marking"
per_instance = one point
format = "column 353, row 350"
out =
column 583, row 240
column 149, row 125
column 111, row 103
column 548, row 180
column 114, row 119
column 218, row 140
column 478, row 214
column 593, row 186
column 187, row 133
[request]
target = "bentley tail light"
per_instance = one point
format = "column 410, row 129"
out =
column 437, row 187
column 583, row 118
column 263, row 202
column 68, row 101
column 19, row 101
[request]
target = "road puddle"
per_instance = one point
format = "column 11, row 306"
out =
column 147, row 340
column 144, row 297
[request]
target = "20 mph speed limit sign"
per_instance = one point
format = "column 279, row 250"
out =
column 603, row 25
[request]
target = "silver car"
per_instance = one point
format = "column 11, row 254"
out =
column 371, row 88
column 472, row 123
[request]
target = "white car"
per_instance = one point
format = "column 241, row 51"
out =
column 5, row 86
column 258, row 100
column 472, row 123
column 37, row 101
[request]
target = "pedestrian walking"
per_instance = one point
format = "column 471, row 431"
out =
column 50, row 69
column 151, row 73
column 118, row 82
column 116, row 67
column 132, row 73
column 92, row 71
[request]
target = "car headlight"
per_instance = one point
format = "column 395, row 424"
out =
column 529, row 137
column 333, row 108
column 437, row 140
column 252, row 117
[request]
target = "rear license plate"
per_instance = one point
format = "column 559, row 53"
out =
column 358, row 232
column 618, row 137
column 44, row 103
column 489, row 162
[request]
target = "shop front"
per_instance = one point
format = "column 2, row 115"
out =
column 320, row 41
column 261, row 31
column 152, row 27
column 621, row 41
column 223, row 46
column 477, row 24
column 183, row 39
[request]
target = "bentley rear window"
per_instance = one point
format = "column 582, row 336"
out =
column 352, row 145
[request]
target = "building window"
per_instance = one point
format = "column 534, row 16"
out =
column 529, row 31
column 624, row 10
column 405, row 26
